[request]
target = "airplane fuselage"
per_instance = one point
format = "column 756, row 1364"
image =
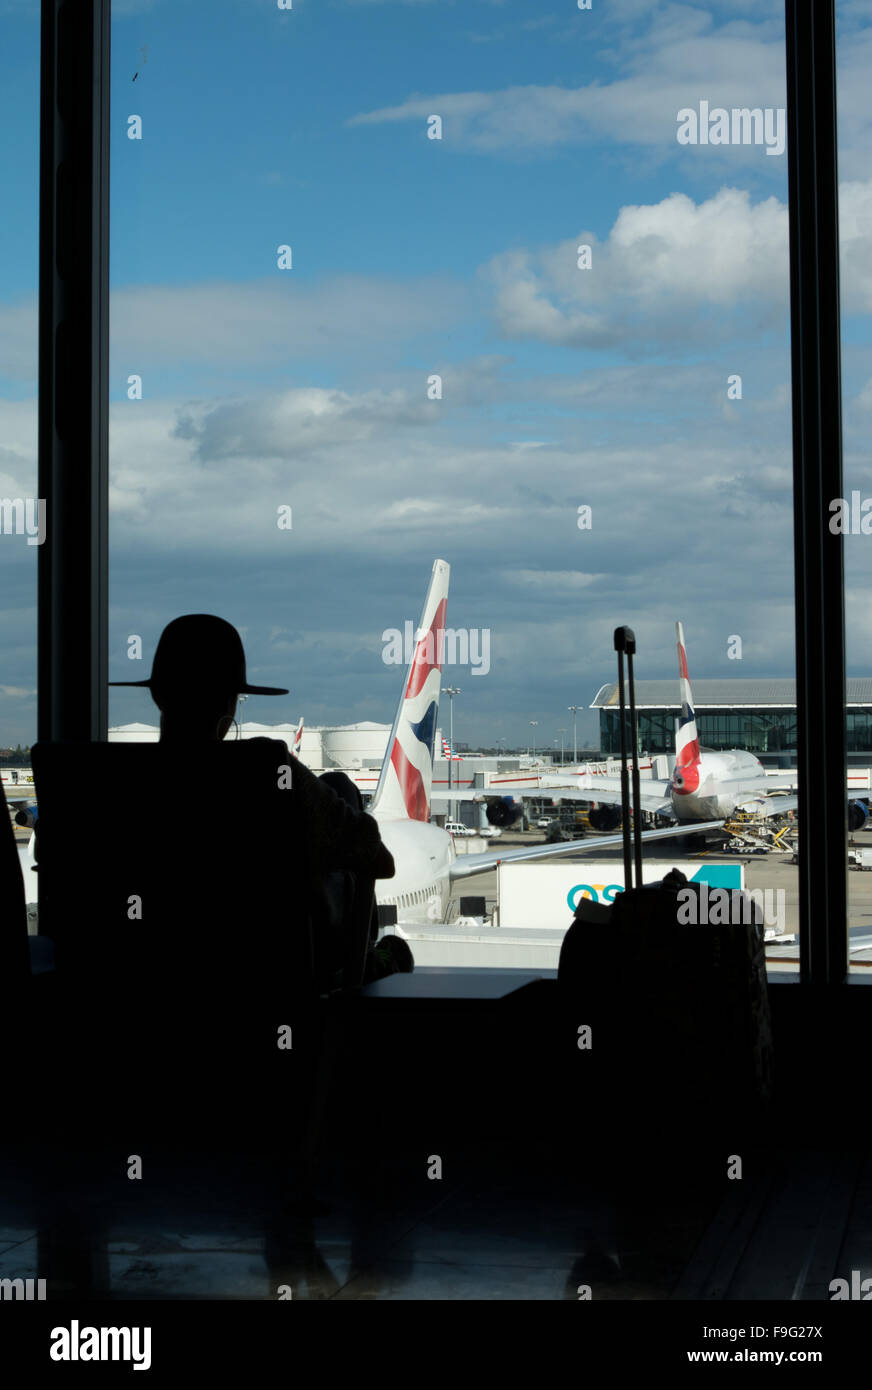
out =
column 423, row 855
column 716, row 785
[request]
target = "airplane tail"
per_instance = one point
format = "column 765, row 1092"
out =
column 298, row 739
column 686, row 775
column 406, row 780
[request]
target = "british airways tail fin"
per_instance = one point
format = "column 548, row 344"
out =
column 685, row 778
column 298, row 739
column 406, row 780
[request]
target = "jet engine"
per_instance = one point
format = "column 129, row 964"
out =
column 858, row 814
column 503, row 811
column 605, row 817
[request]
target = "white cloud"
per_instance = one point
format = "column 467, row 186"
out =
column 272, row 319
column 674, row 511
column 674, row 272
column 678, row 57
column 659, row 264
column 297, row 422
column 19, row 357
column 855, row 236
column 553, row 582
column 18, row 431
column 381, row 491
column 734, row 65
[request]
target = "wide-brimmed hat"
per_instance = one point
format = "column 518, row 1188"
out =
column 200, row 651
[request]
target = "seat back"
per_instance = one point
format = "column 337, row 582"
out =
column 171, row 885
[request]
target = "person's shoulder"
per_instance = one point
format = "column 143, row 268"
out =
column 302, row 777
column 272, row 753
column 262, row 744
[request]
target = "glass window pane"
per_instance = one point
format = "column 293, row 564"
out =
column 508, row 288
column 22, row 522
column 854, row 43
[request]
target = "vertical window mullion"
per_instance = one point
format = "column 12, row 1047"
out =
column 74, row 369
column 817, row 462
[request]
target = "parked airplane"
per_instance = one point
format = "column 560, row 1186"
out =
column 704, row 785
column 427, row 863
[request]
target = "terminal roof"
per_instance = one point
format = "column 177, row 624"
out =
column 727, row 693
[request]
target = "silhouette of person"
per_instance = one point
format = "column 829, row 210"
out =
column 350, row 909
column 197, row 677
column 347, row 903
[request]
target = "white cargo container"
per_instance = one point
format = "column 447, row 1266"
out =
column 546, row 895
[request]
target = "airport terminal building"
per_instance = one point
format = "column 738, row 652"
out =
column 759, row 715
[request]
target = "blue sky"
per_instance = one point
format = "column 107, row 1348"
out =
column 411, row 256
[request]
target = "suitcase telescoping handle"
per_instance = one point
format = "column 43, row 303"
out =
column 625, row 643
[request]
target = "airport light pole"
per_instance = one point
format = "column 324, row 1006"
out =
column 573, row 710
column 562, row 733
column 451, row 691
column 534, row 724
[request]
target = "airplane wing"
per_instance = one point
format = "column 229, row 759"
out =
column 776, row 805
column 779, row 805
column 856, row 784
column 482, row 794
column 653, row 795
column 466, row 864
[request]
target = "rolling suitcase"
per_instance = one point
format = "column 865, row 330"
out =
column 678, row 1009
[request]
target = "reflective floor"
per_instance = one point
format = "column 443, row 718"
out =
column 389, row 1231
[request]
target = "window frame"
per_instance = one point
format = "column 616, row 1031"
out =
column 74, row 413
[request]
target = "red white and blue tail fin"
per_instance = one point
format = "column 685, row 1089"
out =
column 406, row 780
column 685, row 778
column 298, row 739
